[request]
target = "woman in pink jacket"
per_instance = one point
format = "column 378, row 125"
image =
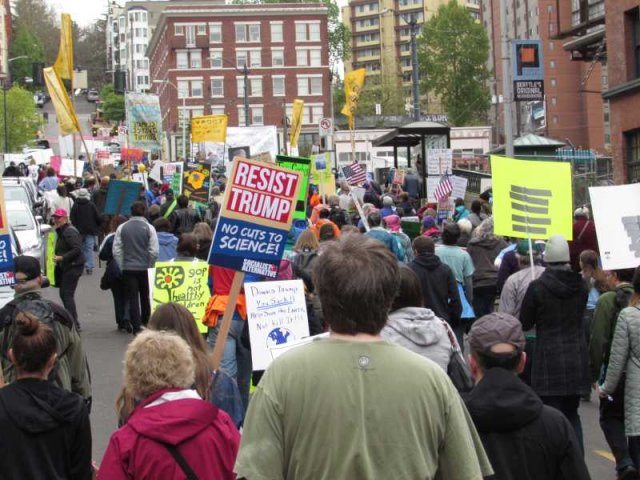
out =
column 172, row 433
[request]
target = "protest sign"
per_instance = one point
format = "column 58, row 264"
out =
column 169, row 169
column 144, row 120
column 50, row 267
column 120, row 197
column 459, row 186
column 140, row 177
column 439, row 161
column 398, row 176
column 260, row 139
column 432, row 184
column 133, row 155
column 616, row 213
column 242, row 151
column 286, row 347
column 103, row 158
column 277, row 315
column 196, row 182
column 303, row 165
column 156, row 172
column 71, row 168
column 7, row 276
column 6, row 255
column 257, row 211
column 209, row 128
column 531, row 198
column 55, row 163
column 262, row 157
column 182, row 282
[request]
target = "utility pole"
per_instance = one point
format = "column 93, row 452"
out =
column 245, row 72
column 284, row 126
column 507, row 93
column 413, row 24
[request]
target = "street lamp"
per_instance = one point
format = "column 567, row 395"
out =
column 184, row 113
column 4, row 102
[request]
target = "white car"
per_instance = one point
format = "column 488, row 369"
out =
column 31, row 234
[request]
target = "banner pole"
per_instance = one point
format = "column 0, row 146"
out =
column 223, row 332
column 360, row 211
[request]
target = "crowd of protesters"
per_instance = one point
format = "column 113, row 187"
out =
column 402, row 290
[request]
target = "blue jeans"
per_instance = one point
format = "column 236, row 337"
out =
column 88, row 241
column 229, row 361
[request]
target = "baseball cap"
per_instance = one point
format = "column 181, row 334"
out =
column 493, row 329
column 60, row 212
column 30, row 266
column 523, row 248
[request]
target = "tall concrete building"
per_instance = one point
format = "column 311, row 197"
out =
column 573, row 110
column 131, row 26
column 381, row 36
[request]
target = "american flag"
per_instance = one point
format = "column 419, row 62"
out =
column 354, row 174
column 444, row 188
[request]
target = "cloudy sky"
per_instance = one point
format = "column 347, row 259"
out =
column 83, row 12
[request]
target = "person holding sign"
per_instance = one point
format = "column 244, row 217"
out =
column 349, row 398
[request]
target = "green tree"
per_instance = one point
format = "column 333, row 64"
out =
column 112, row 104
column 452, row 53
column 339, row 34
column 25, row 43
column 90, row 52
column 22, row 116
column 387, row 92
column 41, row 19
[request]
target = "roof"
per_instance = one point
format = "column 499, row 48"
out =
column 531, row 140
column 410, row 135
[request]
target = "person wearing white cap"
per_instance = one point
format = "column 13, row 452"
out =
column 555, row 304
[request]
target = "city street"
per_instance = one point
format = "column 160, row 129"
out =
column 105, row 348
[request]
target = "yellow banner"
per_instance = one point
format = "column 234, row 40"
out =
column 531, row 198
column 183, row 282
column 210, row 128
column 66, row 116
column 296, row 121
column 353, row 84
column 50, row 267
column 64, row 62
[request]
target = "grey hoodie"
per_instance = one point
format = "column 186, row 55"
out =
column 419, row 330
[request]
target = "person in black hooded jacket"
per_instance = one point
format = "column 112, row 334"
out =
column 45, row 430
column 439, row 288
column 524, row 439
column 555, row 304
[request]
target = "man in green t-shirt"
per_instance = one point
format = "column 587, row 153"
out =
column 353, row 406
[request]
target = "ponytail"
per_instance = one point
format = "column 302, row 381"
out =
column 33, row 344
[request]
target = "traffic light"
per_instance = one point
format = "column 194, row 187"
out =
column 94, row 131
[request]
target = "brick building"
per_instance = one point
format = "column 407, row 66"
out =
column 573, row 108
column 203, row 51
column 623, row 92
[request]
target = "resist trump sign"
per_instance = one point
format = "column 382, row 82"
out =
column 256, row 216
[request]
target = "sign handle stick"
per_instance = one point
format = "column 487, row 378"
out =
column 360, row 211
column 533, row 273
column 221, row 339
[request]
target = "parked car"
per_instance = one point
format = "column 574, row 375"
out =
column 24, row 189
column 93, row 95
column 29, row 230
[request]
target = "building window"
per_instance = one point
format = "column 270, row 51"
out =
column 633, row 22
column 250, row 58
column 190, row 88
column 215, row 57
column 256, row 87
column 217, row 87
column 255, row 58
column 309, row 85
column 554, row 119
column 315, row 57
column 257, row 115
column 632, row 141
column 183, row 88
column 308, row 57
column 215, row 32
column 217, row 110
column 302, row 57
column 182, row 60
column 308, row 31
column 554, row 100
column 201, row 29
column 179, row 30
column 247, row 32
column 241, row 58
column 240, row 86
column 554, row 82
column 276, row 32
column 278, row 86
column 551, row 46
column 196, row 59
column 277, row 57
column 552, row 64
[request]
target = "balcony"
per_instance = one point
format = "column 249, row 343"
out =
column 368, row 43
column 367, row 28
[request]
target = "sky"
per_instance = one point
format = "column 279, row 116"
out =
column 83, row 12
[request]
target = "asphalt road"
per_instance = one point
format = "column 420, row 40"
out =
column 105, row 347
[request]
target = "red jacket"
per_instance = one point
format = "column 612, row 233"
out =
column 584, row 238
column 205, row 436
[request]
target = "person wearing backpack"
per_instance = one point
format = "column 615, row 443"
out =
column 605, row 317
column 625, row 361
column 69, row 261
column 71, row 370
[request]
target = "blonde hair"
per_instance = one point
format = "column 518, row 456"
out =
column 202, row 231
column 308, row 240
column 155, row 360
